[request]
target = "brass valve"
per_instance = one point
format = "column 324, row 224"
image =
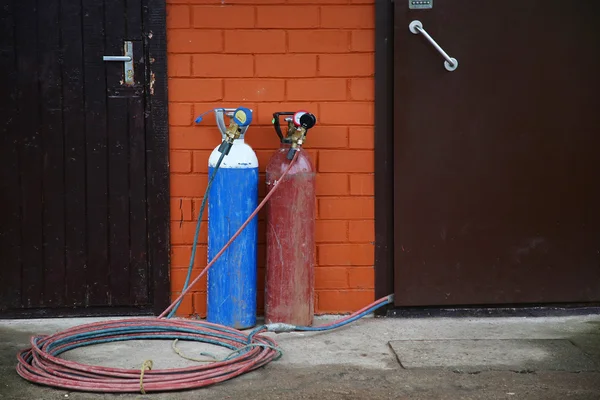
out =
column 298, row 127
column 296, row 136
column 241, row 118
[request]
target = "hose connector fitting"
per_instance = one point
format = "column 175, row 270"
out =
column 280, row 327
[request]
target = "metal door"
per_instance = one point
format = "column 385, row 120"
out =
column 497, row 172
column 83, row 158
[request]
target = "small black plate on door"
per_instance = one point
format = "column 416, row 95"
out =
column 420, row 4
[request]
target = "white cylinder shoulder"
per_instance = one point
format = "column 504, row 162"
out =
column 241, row 155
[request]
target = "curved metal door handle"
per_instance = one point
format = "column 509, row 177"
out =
column 416, row 27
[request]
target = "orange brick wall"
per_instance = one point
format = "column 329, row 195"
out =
column 278, row 56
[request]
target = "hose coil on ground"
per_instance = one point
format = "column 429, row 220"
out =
column 41, row 363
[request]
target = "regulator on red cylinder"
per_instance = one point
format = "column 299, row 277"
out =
column 289, row 278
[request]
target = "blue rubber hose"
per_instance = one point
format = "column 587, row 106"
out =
column 197, row 233
column 40, row 363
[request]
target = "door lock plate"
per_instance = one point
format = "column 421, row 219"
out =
column 420, row 4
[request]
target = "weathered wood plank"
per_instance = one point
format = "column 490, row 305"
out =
column 75, row 154
column 118, row 158
column 51, row 130
column 96, row 152
column 30, row 152
column 157, row 145
column 10, row 213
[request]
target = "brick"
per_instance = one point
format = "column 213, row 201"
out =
column 362, row 89
column 362, row 231
column 254, row 41
column 346, row 208
column 254, row 89
column 318, row 41
column 327, row 137
column 200, row 161
column 229, row 2
column 180, row 114
column 313, row 157
column 260, row 302
column 354, row 64
column 192, row 138
column 182, row 233
column 361, row 278
column 327, row 231
column 180, row 256
column 331, row 278
column 178, row 276
column 303, row 17
column 263, row 159
column 348, row 113
column 336, row 301
column 362, row 137
column 262, row 232
column 197, row 207
column 285, row 65
column 362, row 40
column 189, row 185
column 223, row 65
column 318, row 1
column 347, row 17
column 181, row 209
column 265, row 112
column 223, row 16
column 362, row 185
column 178, row 17
column 345, row 254
column 180, row 161
column 181, row 89
column 317, row 89
column 346, row 161
column 185, row 308
column 262, row 137
column 332, row 184
column 199, row 301
column 261, row 255
column 179, row 65
column 194, row 41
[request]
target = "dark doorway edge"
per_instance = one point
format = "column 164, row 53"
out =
column 157, row 145
column 384, row 166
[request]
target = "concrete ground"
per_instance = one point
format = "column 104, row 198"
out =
column 434, row 358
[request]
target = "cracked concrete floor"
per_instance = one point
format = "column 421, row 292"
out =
column 353, row 362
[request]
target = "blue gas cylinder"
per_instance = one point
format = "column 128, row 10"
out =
column 232, row 280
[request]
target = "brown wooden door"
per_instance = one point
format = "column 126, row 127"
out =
column 497, row 166
column 83, row 159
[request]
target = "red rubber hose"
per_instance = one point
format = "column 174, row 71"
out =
column 41, row 363
column 235, row 235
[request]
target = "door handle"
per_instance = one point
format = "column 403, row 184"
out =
column 416, row 27
column 127, row 59
column 116, row 58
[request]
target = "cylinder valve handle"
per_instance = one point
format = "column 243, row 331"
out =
column 298, row 126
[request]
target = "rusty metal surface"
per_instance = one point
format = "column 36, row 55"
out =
column 290, row 241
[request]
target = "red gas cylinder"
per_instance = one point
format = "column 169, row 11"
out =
column 289, row 282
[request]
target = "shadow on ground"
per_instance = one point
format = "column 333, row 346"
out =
column 355, row 362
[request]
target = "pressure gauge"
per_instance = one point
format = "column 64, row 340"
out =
column 242, row 116
column 297, row 117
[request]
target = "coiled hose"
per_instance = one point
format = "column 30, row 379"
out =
column 41, row 363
